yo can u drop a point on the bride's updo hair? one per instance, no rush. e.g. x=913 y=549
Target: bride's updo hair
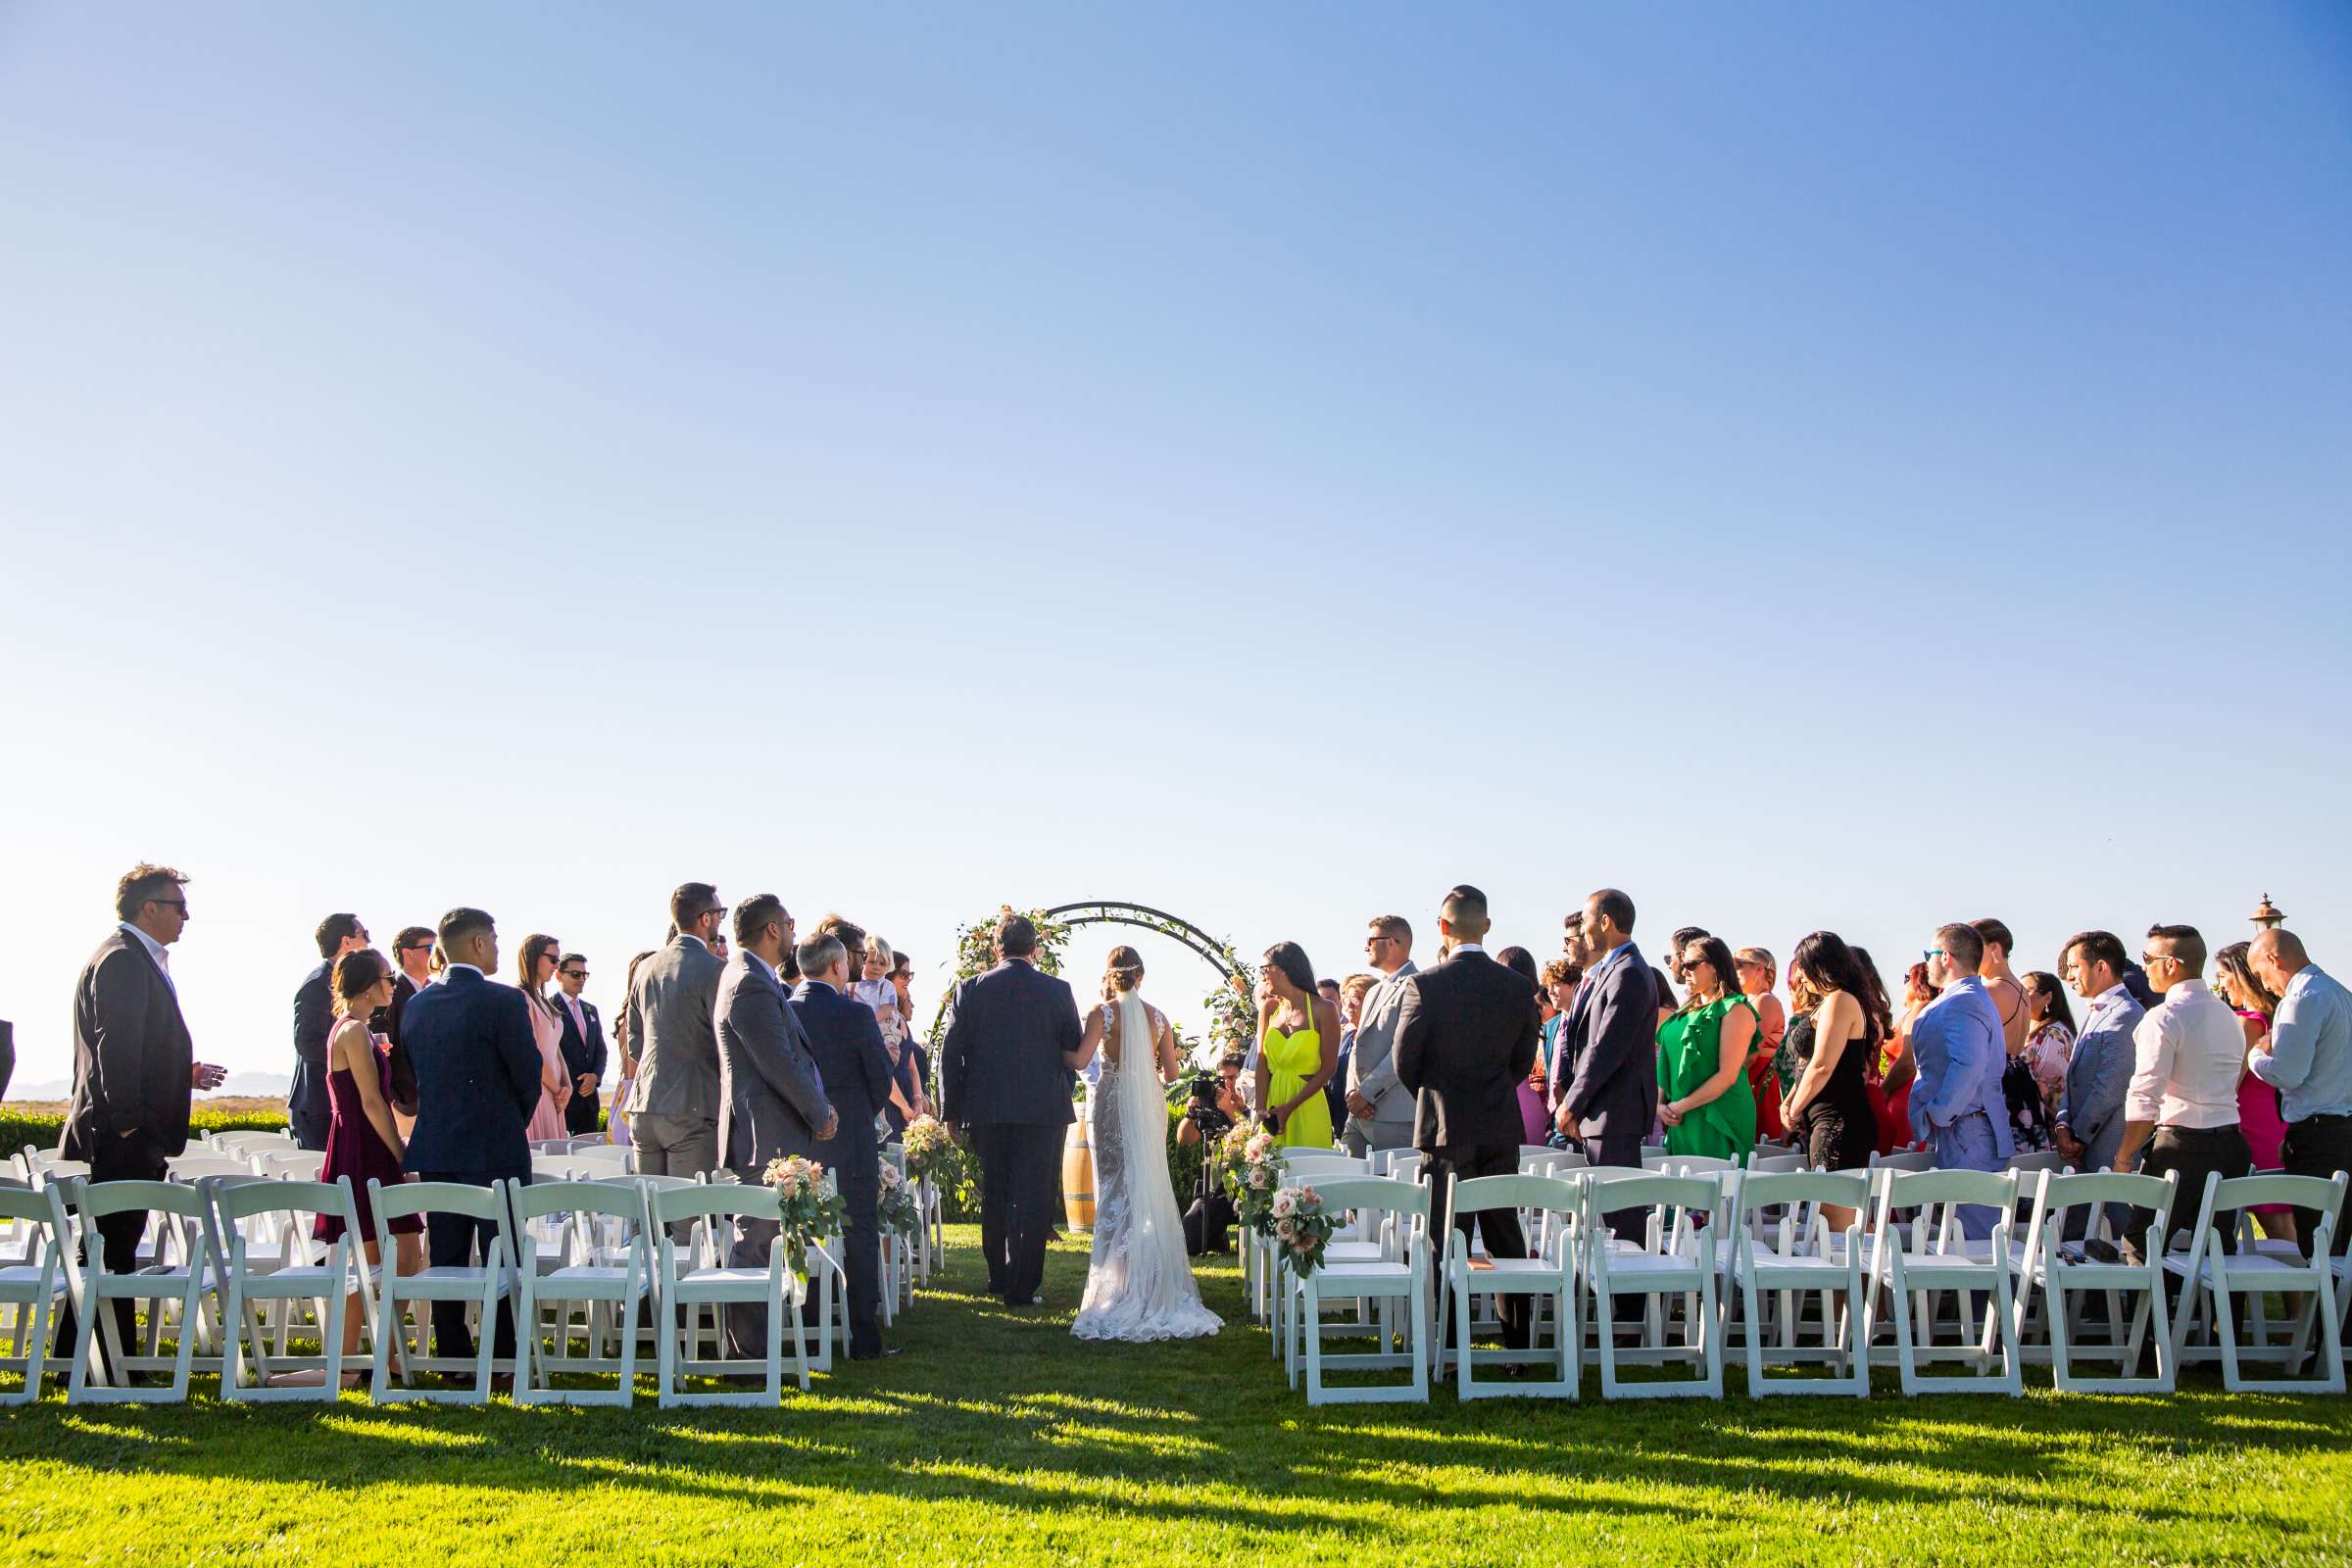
x=1123 y=970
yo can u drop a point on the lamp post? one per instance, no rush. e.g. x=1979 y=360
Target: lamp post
x=2268 y=916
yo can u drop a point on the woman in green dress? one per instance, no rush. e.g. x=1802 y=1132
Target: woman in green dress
x=1704 y=1093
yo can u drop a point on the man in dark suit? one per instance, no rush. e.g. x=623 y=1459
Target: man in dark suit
x=133 y=1067
x=854 y=1069
x=770 y=1101
x=413 y=962
x=583 y=1044
x=8 y=1055
x=477 y=1082
x=1611 y=1036
x=1466 y=1037
x=313 y=1017
x=1004 y=1075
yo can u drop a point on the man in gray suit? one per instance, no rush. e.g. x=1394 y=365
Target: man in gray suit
x=2090 y=1113
x=674 y=1106
x=1380 y=1110
x=770 y=1101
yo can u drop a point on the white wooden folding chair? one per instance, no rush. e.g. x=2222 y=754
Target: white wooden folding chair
x=182 y=1276
x=1398 y=1211
x=2213 y=1279
x=31 y=1288
x=325 y=1283
x=1785 y=1250
x=480 y=1285
x=573 y=1271
x=687 y=1288
x=193 y=1169
x=1938 y=1256
x=1547 y=1274
x=293 y=1164
x=1676 y=1258
x=2063 y=1270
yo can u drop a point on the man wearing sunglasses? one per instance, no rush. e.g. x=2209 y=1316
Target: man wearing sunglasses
x=412 y=959
x=313 y=1015
x=583 y=1043
x=1958 y=1112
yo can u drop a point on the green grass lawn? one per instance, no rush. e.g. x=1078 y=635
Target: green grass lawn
x=995 y=1437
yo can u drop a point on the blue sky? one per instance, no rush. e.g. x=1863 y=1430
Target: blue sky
x=1854 y=468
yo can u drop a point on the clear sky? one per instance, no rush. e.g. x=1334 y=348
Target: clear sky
x=1850 y=466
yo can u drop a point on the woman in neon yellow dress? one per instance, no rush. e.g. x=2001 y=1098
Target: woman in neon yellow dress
x=1297 y=1048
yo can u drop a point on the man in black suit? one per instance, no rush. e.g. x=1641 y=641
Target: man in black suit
x=1004 y=1074
x=477 y=1082
x=1466 y=1036
x=583 y=1044
x=133 y=1067
x=313 y=1017
x=413 y=961
x=1611 y=1035
x=854 y=1072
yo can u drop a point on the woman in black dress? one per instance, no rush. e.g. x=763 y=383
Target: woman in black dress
x=1828 y=1111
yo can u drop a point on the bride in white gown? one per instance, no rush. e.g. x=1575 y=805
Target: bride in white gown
x=1139 y=1283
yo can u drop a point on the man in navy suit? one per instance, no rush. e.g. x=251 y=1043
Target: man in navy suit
x=477 y=1082
x=1004 y=1074
x=854 y=1070
x=1611 y=1036
x=583 y=1043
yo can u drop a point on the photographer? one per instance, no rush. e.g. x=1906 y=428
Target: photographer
x=1216 y=1106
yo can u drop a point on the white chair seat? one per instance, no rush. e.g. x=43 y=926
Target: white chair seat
x=1337 y=1274
x=21 y=1282
x=591 y=1276
x=1350 y=1253
x=754 y=1277
x=448 y=1282
x=1652 y=1268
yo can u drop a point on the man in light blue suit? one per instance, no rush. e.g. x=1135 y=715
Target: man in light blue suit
x=2090 y=1113
x=1958 y=1112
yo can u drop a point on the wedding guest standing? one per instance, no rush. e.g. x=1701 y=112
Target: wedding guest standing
x=1957 y=1111
x=534 y=966
x=2001 y=983
x=583 y=1043
x=1353 y=992
x=2307 y=1057
x=855 y=1072
x=1535 y=1118
x=674 y=1106
x=2049 y=1038
x=1611 y=1036
x=1704 y=1093
x=2098 y=1071
x=1003 y=1078
x=1299 y=1049
x=8 y=1055
x=2181 y=1105
x=2258 y=1115
x=313 y=1013
x=1465 y=1042
x=1756 y=972
x=1561 y=979
x=1380 y=1110
x=412 y=958
x=134 y=1070
x=914 y=1064
x=477 y=1082
x=1834 y=1039
x=362 y=1141
x=878 y=992
x=618 y=1124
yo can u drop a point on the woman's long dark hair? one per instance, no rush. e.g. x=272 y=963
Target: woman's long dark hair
x=1719 y=955
x=1874 y=1000
x=1829 y=964
x=2045 y=984
x=1290 y=959
x=1522 y=963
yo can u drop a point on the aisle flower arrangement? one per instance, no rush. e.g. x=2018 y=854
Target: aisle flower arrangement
x=1252 y=1174
x=810 y=1206
x=1302 y=1227
x=900 y=1210
x=928 y=1146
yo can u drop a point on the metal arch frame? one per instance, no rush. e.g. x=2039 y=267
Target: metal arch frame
x=1118 y=912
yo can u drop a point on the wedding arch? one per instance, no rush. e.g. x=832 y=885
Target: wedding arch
x=1231 y=1006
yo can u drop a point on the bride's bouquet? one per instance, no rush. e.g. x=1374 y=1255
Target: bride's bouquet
x=927 y=1147
x=1302 y=1227
x=900 y=1210
x=1252 y=1174
x=810 y=1206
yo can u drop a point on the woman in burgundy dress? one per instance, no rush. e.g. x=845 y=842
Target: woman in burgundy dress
x=362 y=1139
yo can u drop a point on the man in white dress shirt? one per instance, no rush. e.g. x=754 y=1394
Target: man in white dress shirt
x=2181 y=1105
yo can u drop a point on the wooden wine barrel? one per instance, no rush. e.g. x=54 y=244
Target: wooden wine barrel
x=1078 y=1177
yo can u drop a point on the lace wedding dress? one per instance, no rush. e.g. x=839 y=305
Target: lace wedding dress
x=1138 y=1284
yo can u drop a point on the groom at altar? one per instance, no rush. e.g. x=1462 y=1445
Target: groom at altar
x=1004 y=1079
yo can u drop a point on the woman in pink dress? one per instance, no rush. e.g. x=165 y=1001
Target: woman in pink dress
x=2258 y=1115
x=534 y=968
